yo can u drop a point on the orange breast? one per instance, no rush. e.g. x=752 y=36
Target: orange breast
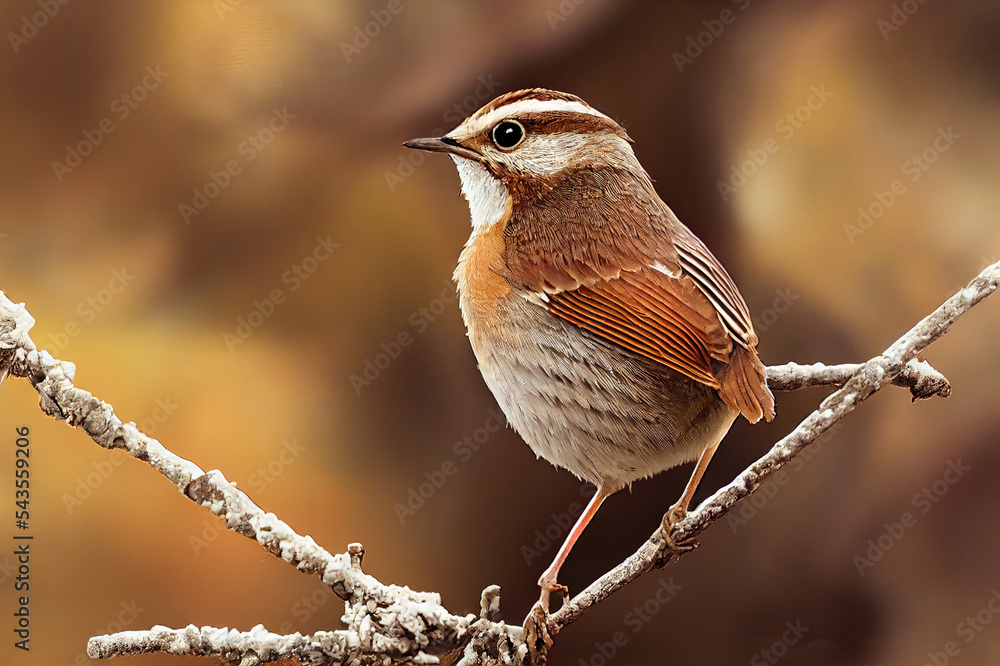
x=482 y=282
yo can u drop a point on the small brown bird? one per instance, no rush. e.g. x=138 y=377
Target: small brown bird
x=615 y=343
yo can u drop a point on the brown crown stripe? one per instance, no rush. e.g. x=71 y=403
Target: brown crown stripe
x=540 y=94
x=556 y=122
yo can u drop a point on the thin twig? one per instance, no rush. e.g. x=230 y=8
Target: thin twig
x=228 y=645
x=868 y=378
x=918 y=376
x=406 y=620
x=388 y=622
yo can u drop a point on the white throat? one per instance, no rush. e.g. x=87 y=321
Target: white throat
x=486 y=195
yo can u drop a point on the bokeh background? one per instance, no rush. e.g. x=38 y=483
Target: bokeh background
x=280 y=125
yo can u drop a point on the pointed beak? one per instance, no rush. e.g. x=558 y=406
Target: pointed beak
x=444 y=144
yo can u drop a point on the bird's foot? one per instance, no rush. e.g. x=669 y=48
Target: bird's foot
x=674 y=546
x=548 y=587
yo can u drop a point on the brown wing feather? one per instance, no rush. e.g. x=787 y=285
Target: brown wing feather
x=652 y=315
x=643 y=312
x=588 y=242
x=604 y=317
x=718 y=287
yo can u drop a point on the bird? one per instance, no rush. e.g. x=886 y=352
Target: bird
x=613 y=340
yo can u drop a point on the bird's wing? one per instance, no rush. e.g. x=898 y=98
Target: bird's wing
x=715 y=284
x=646 y=284
x=663 y=318
x=674 y=321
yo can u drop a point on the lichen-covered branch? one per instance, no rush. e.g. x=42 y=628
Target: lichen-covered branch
x=867 y=378
x=918 y=376
x=228 y=644
x=393 y=624
x=386 y=621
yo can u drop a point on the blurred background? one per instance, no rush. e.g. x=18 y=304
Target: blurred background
x=206 y=206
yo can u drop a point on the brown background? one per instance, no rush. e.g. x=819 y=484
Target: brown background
x=109 y=532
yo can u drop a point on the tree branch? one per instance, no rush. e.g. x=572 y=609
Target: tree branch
x=867 y=378
x=918 y=376
x=231 y=645
x=389 y=622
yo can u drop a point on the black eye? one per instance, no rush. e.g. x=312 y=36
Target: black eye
x=508 y=134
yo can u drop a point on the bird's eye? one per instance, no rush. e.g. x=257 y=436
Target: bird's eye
x=508 y=134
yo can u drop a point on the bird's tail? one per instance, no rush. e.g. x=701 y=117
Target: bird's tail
x=744 y=386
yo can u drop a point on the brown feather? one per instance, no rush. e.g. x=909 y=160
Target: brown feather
x=540 y=94
x=645 y=315
x=744 y=386
x=587 y=239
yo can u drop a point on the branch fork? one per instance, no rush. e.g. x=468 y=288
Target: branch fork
x=391 y=623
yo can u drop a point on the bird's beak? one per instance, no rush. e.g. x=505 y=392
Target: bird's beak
x=444 y=144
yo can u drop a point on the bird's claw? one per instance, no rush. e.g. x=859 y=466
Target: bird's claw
x=676 y=546
x=547 y=590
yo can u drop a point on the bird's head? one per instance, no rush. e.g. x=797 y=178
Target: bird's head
x=523 y=143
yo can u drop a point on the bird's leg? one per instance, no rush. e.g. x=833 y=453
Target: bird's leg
x=548 y=579
x=676 y=513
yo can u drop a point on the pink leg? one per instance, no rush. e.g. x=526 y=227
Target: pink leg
x=548 y=580
x=677 y=512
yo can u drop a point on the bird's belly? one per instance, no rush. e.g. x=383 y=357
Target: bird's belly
x=607 y=415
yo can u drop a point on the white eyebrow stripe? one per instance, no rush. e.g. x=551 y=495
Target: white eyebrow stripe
x=526 y=106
